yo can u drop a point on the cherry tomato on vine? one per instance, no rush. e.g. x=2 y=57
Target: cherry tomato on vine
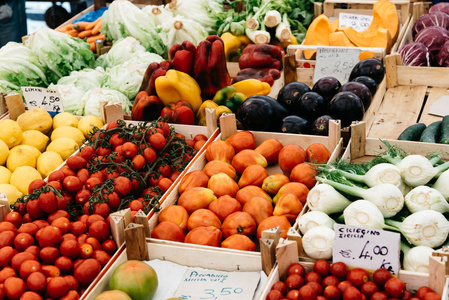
x=138 y=162
x=129 y=149
x=87 y=152
x=72 y=184
x=122 y=186
x=157 y=141
x=48 y=202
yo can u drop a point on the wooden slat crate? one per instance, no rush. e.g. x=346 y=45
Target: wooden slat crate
x=410 y=93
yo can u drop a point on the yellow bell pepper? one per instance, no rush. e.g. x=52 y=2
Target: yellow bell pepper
x=244 y=40
x=250 y=87
x=201 y=114
x=293 y=41
x=231 y=43
x=175 y=86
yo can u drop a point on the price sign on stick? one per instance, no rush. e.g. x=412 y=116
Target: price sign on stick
x=367 y=248
x=336 y=62
x=48 y=99
x=215 y=285
x=357 y=22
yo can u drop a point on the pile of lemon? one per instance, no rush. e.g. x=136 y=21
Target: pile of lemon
x=36 y=144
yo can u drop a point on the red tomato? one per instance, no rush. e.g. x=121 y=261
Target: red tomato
x=330 y=280
x=62 y=203
x=40 y=224
x=28 y=267
x=343 y=285
x=293 y=295
x=200 y=137
x=86 y=250
x=93 y=218
x=381 y=276
x=394 y=287
x=48 y=202
x=322 y=267
x=339 y=269
x=37 y=282
x=83 y=175
x=58 y=214
x=102 y=257
x=14 y=287
x=72 y=283
x=312 y=276
x=109 y=246
x=331 y=292
x=102 y=209
x=6 y=254
x=422 y=291
x=150 y=155
x=77 y=228
x=379 y=296
x=138 y=162
x=56 y=176
x=34 y=210
x=174 y=175
x=274 y=295
x=23 y=241
x=82 y=197
x=157 y=141
x=67 y=171
x=92 y=182
x=87 y=152
x=165 y=170
x=165 y=128
x=116 y=140
x=70 y=248
x=352 y=293
x=5 y=273
x=48 y=255
x=14 y=218
x=50 y=236
x=62 y=223
x=64 y=263
x=431 y=296
x=129 y=149
x=113 y=200
x=72 y=184
x=122 y=186
x=70 y=295
x=19 y=258
x=407 y=295
x=7 y=238
x=154 y=181
x=99 y=230
x=57 y=287
x=7 y=226
x=294 y=281
x=51 y=271
x=76 y=162
x=68 y=237
x=56 y=184
x=164 y=184
x=357 y=277
x=35 y=185
x=30 y=296
x=86 y=271
x=369 y=288
x=135 y=205
x=94 y=243
x=306 y=292
x=103 y=151
x=280 y=286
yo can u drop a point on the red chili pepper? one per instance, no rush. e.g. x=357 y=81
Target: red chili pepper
x=153 y=71
x=182 y=57
x=146 y=107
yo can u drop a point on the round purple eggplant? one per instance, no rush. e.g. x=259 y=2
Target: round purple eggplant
x=360 y=90
x=346 y=107
x=327 y=87
x=311 y=105
x=370 y=67
x=294 y=124
x=321 y=125
x=369 y=82
x=290 y=94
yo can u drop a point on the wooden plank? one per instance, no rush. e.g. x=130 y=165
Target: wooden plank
x=136 y=245
x=434 y=94
x=376 y=102
x=431 y=76
x=400 y=109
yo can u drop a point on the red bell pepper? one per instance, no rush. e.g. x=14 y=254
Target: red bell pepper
x=261 y=56
x=146 y=107
x=209 y=69
x=180 y=112
x=265 y=75
x=182 y=56
x=153 y=71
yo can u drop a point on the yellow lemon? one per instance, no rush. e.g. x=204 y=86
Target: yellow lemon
x=48 y=162
x=87 y=123
x=36 y=139
x=10 y=132
x=35 y=119
x=65 y=119
x=12 y=193
x=32 y=149
x=70 y=132
x=64 y=146
x=5 y=175
x=22 y=177
x=4 y=152
x=20 y=157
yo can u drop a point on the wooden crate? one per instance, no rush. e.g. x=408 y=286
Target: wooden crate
x=190 y=257
x=410 y=93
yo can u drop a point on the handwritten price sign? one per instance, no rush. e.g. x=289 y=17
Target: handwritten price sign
x=48 y=99
x=357 y=22
x=214 y=285
x=336 y=62
x=367 y=248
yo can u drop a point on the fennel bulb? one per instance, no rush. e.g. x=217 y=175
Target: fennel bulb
x=313 y=219
x=442 y=184
x=416 y=169
x=325 y=198
x=178 y=29
x=364 y=213
x=318 y=242
x=258 y=36
x=283 y=32
x=387 y=197
x=272 y=18
x=423 y=228
x=416 y=259
x=157 y=13
x=423 y=198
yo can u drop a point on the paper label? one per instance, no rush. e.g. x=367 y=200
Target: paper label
x=48 y=99
x=367 y=248
x=209 y=284
x=336 y=62
x=440 y=107
x=358 y=22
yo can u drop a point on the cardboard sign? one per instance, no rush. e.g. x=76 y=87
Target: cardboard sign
x=367 y=248
x=440 y=107
x=336 y=62
x=48 y=99
x=358 y=22
x=209 y=284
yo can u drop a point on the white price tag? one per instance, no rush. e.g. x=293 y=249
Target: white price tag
x=209 y=284
x=336 y=62
x=358 y=22
x=367 y=248
x=48 y=99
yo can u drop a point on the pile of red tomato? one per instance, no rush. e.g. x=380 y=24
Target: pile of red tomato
x=335 y=282
x=57 y=239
